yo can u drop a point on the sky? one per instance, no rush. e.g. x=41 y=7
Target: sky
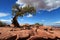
x=47 y=11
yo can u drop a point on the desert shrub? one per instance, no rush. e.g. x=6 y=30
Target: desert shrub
x=39 y=24
x=2 y=24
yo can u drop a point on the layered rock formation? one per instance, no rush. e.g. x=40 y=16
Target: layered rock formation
x=41 y=33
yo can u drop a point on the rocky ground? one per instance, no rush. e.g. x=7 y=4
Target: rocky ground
x=41 y=33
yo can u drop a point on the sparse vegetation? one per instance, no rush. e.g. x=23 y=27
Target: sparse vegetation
x=2 y=24
x=39 y=24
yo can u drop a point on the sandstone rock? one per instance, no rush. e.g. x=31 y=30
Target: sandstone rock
x=45 y=34
x=12 y=37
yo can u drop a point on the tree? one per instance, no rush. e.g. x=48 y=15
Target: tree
x=38 y=24
x=20 y=12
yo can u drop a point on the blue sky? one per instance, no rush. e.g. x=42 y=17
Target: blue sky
x=42 y=16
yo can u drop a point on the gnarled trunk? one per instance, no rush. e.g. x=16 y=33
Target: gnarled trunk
x=15 y=22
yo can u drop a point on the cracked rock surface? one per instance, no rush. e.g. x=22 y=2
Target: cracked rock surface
x=42 y=33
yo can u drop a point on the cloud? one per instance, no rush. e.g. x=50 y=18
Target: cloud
x=6 y=20
x=30 y=15
x=41 y=4
x=3 y=14
x=57 y=22
x=42 y=20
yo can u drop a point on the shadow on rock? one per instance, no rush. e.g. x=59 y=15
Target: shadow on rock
x=40 y=38
x=12 y=38
x=24 y=38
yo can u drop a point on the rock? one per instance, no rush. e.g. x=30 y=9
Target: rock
x=7 y=35
x=45 y=34
x=0 y=33
x=23 y=38
x=11 y=25
x=41 y=38
x=12 y=37
x=36 y=38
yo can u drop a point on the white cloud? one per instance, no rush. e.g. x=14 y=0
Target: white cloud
x=30 y=15
x=6 y=20
x=57 y=22
x=42 y=4
x=42 y=20
x=3 y=14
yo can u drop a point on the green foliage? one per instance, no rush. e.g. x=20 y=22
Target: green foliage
x=2 y=24
x=28 y=9
x=21 y=11
x=39 y=24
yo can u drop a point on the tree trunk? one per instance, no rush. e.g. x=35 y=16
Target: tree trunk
x=15 y=22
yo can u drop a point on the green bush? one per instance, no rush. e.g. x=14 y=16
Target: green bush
x=39 y=24
x=2 y=24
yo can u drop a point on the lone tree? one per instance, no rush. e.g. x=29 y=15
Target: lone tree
x=18 y=11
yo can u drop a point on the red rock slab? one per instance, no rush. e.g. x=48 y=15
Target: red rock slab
x=24 y=33
x=45 y=34
x=57 y=33
x=6 y=35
